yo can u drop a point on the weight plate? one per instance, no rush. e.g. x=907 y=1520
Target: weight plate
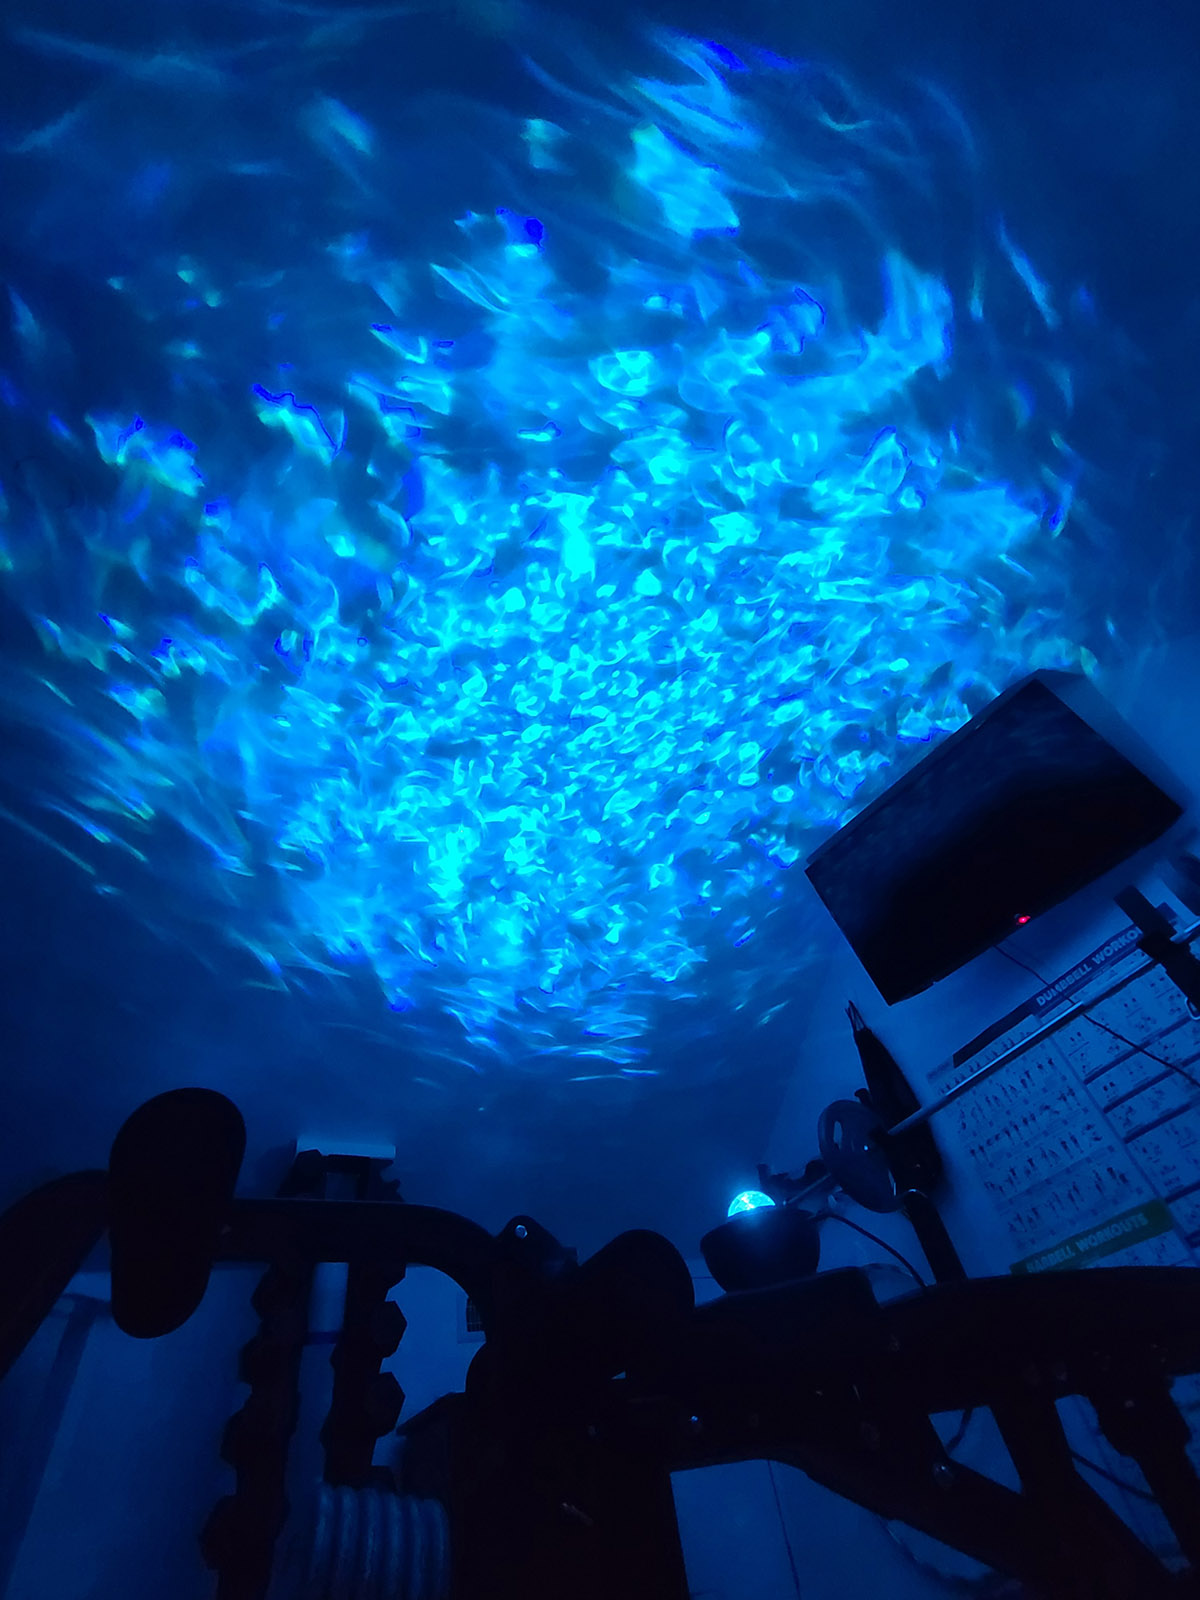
x=847 y=1133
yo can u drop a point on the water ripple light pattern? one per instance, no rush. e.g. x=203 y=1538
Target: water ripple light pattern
x=513 y=621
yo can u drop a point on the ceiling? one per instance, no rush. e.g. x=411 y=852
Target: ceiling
x=483 y=499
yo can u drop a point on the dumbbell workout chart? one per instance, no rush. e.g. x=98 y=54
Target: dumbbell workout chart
x=1088 y=1142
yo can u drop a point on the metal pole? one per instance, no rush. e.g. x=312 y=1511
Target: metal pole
x=1074 y=1010
x=824 y=1182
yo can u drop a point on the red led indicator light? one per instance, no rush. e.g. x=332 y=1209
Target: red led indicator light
x=1021 y=920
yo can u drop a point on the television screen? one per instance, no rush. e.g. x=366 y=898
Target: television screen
x=1015 y=811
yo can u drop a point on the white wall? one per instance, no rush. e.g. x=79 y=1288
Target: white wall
x=134 y=1470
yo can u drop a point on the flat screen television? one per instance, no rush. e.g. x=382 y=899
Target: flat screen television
x=1040 y=793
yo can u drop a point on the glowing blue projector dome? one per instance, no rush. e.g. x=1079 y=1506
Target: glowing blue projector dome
x=748 y=1200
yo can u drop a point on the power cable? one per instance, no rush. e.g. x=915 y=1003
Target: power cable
x=1141 y=1049
x=836 y=1216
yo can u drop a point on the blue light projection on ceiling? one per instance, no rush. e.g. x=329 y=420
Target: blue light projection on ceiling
x=514 y=619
